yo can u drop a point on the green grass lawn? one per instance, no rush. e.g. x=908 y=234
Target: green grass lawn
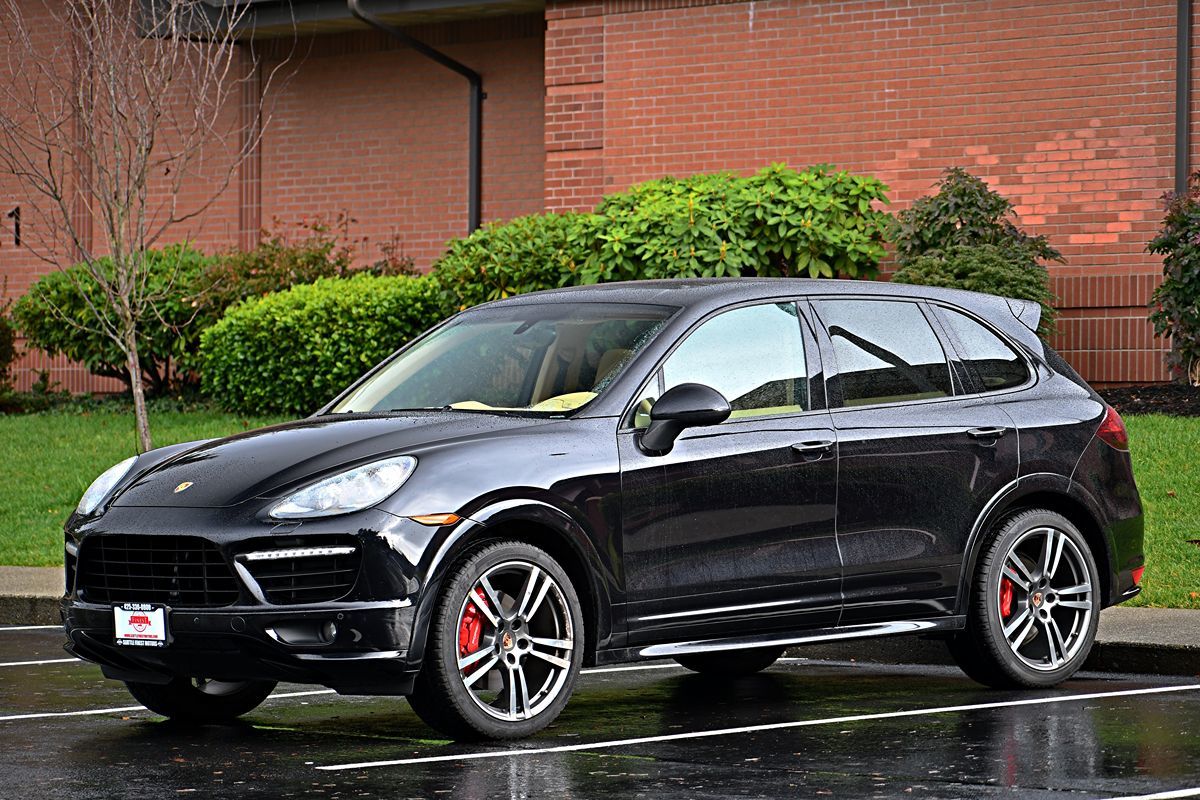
x=1165 y=454
x=49 y=459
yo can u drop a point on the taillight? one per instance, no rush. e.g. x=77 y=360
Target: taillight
x=1137 y=575
x=1112 y=430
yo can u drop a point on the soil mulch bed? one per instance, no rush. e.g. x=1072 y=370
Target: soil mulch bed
x=1173 y=399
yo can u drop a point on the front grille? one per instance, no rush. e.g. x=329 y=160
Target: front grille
x=179 y=571
x=304 y=574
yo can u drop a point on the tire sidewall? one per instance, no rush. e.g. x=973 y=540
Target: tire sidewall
x=1006 y=659
x=454 y=592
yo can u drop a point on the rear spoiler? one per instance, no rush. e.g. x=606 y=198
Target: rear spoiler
x=1027 y=312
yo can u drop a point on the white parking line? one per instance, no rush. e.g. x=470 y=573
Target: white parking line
x=43 y=661
x=1164 y=795
x=29 y=628
x=673 y=737
x=120 y=709
x=94 y=711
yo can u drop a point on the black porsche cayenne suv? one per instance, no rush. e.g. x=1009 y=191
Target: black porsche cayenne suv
x=709 y=471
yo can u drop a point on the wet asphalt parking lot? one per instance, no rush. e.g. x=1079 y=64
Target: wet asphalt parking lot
x=802 y=729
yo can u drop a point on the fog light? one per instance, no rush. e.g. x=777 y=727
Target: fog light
x=328 y=631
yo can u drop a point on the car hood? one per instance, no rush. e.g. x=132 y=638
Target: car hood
x=274 y=461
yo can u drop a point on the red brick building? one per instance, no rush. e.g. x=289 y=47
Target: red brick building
x=1068 y=108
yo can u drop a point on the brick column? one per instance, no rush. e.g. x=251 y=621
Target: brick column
x=574 y=74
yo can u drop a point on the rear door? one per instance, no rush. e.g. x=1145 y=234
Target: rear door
x=920 y=454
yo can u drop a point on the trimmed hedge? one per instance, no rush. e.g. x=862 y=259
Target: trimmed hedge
x=293 y=351
x=55 y=316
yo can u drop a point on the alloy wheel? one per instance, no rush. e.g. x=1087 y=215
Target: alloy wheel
x=515 y=640
x=1044 y=598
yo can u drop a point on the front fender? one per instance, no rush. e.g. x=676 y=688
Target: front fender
x=545 y=518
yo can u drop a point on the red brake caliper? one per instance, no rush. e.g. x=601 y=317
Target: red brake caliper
x=1006 y=598
x=469 y=630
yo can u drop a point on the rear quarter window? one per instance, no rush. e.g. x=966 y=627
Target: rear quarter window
x=993 y=364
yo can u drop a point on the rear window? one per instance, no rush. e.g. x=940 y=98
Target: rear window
x=886 y=352
x=993 y=364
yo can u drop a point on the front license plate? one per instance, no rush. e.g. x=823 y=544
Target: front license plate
x=140 y=624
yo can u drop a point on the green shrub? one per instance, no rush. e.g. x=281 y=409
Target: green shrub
x=292 y=351
x=8 y=344
x=285 y=258
x=987 y=268
x=541 y=251
x=965 y=211
x=55 y=316
x=778 y=222
x=1175 y=304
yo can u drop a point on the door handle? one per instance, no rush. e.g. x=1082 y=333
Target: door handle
x=818 y=447
x=986 y=433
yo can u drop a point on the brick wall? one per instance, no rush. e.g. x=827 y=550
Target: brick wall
x=1066 y=108
x=374 y=130
x=358 y=126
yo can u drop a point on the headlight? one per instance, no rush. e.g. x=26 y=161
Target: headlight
x=100 y=487
x=353 y=490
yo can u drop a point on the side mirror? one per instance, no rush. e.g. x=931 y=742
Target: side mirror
x=688 y=405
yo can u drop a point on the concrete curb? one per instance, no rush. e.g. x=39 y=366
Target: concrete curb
x=26 y=610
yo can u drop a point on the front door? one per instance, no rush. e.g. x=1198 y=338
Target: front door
x=732 y=531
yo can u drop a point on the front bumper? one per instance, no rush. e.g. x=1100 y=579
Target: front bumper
x=256 y=638
x=366 y=656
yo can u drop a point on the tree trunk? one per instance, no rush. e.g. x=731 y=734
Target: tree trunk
x=141 y=419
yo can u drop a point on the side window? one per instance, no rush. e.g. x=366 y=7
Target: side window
x=994 y=364
x=754 y=356
x=885 y=352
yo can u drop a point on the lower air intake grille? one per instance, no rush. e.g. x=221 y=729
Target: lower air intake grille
x=305 y=574
x=179 y=571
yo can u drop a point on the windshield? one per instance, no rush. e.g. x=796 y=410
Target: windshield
x=550 y=358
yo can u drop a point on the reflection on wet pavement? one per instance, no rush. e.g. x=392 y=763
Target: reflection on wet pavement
x=1100 y=747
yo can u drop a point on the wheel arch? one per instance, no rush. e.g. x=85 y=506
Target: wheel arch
x=1054 y=493
x=542 y=525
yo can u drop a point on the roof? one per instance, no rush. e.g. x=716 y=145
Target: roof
x=701 y=295
x=272 y=18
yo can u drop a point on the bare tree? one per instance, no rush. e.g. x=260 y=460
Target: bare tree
x=124 y=121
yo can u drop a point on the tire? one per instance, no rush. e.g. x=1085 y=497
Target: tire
x=201 y=701
x=1034 y=604
x=732 y=663
x=505 y=645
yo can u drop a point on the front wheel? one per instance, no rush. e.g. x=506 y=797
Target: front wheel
x=505 y=645
x=1035 y=604
x=201 y=700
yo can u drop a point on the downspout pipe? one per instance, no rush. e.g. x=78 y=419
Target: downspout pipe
x=1183 y=93
x=475 y=116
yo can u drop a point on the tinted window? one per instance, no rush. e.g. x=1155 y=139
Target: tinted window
x=886 y=352
x=994 y=364
x=754 y=356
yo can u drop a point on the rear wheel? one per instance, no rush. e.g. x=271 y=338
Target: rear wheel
x=201 y=700
x=1035 y=604
x=732 y=663
x=505 y=646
